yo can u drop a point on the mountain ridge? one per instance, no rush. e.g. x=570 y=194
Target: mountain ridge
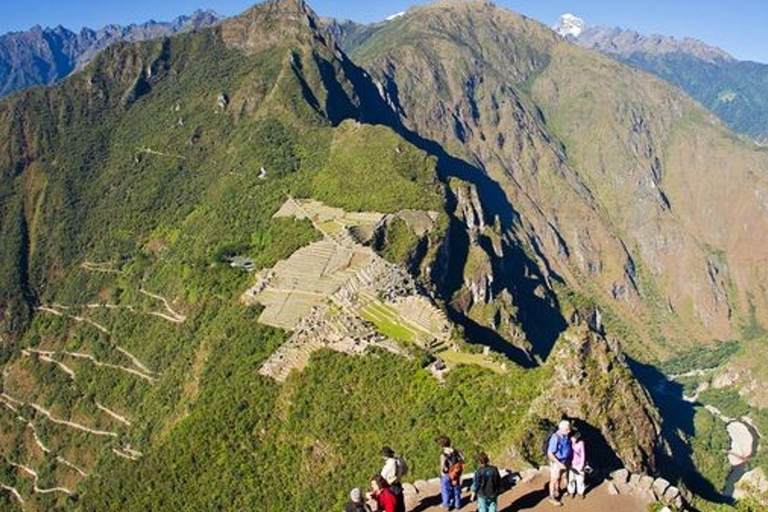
x=43 y=56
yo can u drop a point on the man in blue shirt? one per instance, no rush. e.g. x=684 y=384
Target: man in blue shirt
x=559 y=452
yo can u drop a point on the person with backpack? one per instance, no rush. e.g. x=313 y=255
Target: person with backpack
x=486 y=485
x=393 y=472
x=578 y=468
x=559 y=452
x=451 y=468
x=382 y=495
x=355 y=503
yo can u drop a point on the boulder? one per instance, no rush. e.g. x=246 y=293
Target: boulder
x=528 y=475
x=612 y=489
x=660 y=486
x=671 y=494
x=620 y=475
x=410 y=490
x=634 y=480
x=420 y=485
x=646 y=483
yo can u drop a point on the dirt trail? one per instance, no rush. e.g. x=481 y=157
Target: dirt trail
x=172 y=315
x=14 y=493
x=533 y=496
x=105 y=267
x=45 y=412
x=113 y=415
x=144 y=374
x=31 y=472
x=134 y=360
x=48 y=358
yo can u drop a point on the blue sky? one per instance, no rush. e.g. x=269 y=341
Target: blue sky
x=738 y=26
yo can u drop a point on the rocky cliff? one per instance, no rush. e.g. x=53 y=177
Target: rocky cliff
x=581 y=159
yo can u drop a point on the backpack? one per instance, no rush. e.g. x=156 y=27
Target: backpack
x=488 y=483
x=402 y=467
x=545 y=444
x=455 y=464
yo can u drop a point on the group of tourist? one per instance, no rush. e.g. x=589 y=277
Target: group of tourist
x=565 y=453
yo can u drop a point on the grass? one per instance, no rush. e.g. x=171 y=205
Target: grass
x=459 y=358
x=388 y=322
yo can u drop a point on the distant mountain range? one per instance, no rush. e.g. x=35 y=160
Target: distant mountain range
x=737 y=91
x=43 y=56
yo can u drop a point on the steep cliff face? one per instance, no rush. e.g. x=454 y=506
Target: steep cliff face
x=592 y=384
x=588 y=165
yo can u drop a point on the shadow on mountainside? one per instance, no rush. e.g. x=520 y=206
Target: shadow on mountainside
x=538 y=313
x=678 y=416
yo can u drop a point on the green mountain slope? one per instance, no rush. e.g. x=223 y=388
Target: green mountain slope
x=143 y=367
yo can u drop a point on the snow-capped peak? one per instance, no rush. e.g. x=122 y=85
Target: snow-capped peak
x=569 y=25
x=395 y=16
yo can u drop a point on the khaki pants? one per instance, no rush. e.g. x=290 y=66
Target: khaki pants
x=556 y=473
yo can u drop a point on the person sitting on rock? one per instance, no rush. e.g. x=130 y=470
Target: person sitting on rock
x=559 y=452
x=355 y=503
x=382 y=495
x=451 y=467
x=393 y=471
x=486 y=485
x=577 y=469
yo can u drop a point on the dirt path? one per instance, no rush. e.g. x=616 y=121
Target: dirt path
x=45 y=412
x=39 y=490
x=172 y=315
x=14 y=493
x=113 y=415
x=533 y=496
x=48 y=358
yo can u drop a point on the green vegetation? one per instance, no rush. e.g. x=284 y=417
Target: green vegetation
x=710 y=444
x=700 y=358
x=373 y=169
x=399 y=241
x=388 y=322
x=728 y=401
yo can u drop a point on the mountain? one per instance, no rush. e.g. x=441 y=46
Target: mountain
x=43 y=56
x=238 y=261
x=732 y=89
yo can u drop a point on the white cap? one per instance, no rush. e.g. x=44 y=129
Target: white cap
x=563 y=425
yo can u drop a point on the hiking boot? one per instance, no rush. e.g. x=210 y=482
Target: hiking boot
x=555 y=503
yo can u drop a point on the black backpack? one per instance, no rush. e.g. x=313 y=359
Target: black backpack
x=488 y=482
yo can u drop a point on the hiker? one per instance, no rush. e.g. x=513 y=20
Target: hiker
x=355 y=503
x=578 y=468
x=559 y=453
x=382 y=495
x=486 y=485
x=451 y=467
x=393 y=471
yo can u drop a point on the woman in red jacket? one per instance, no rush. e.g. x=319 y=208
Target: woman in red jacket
x=380 y=493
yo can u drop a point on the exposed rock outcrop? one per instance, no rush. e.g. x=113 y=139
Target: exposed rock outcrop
x=592 y=384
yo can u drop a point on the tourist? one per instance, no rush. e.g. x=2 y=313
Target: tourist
x=577 y=469
x=451 y=467
x=382 y=495
x=486 y=485
x=559 y=453
x=393 y=471
x=355 y=503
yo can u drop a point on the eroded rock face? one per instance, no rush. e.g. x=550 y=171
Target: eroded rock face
x=591 y=383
